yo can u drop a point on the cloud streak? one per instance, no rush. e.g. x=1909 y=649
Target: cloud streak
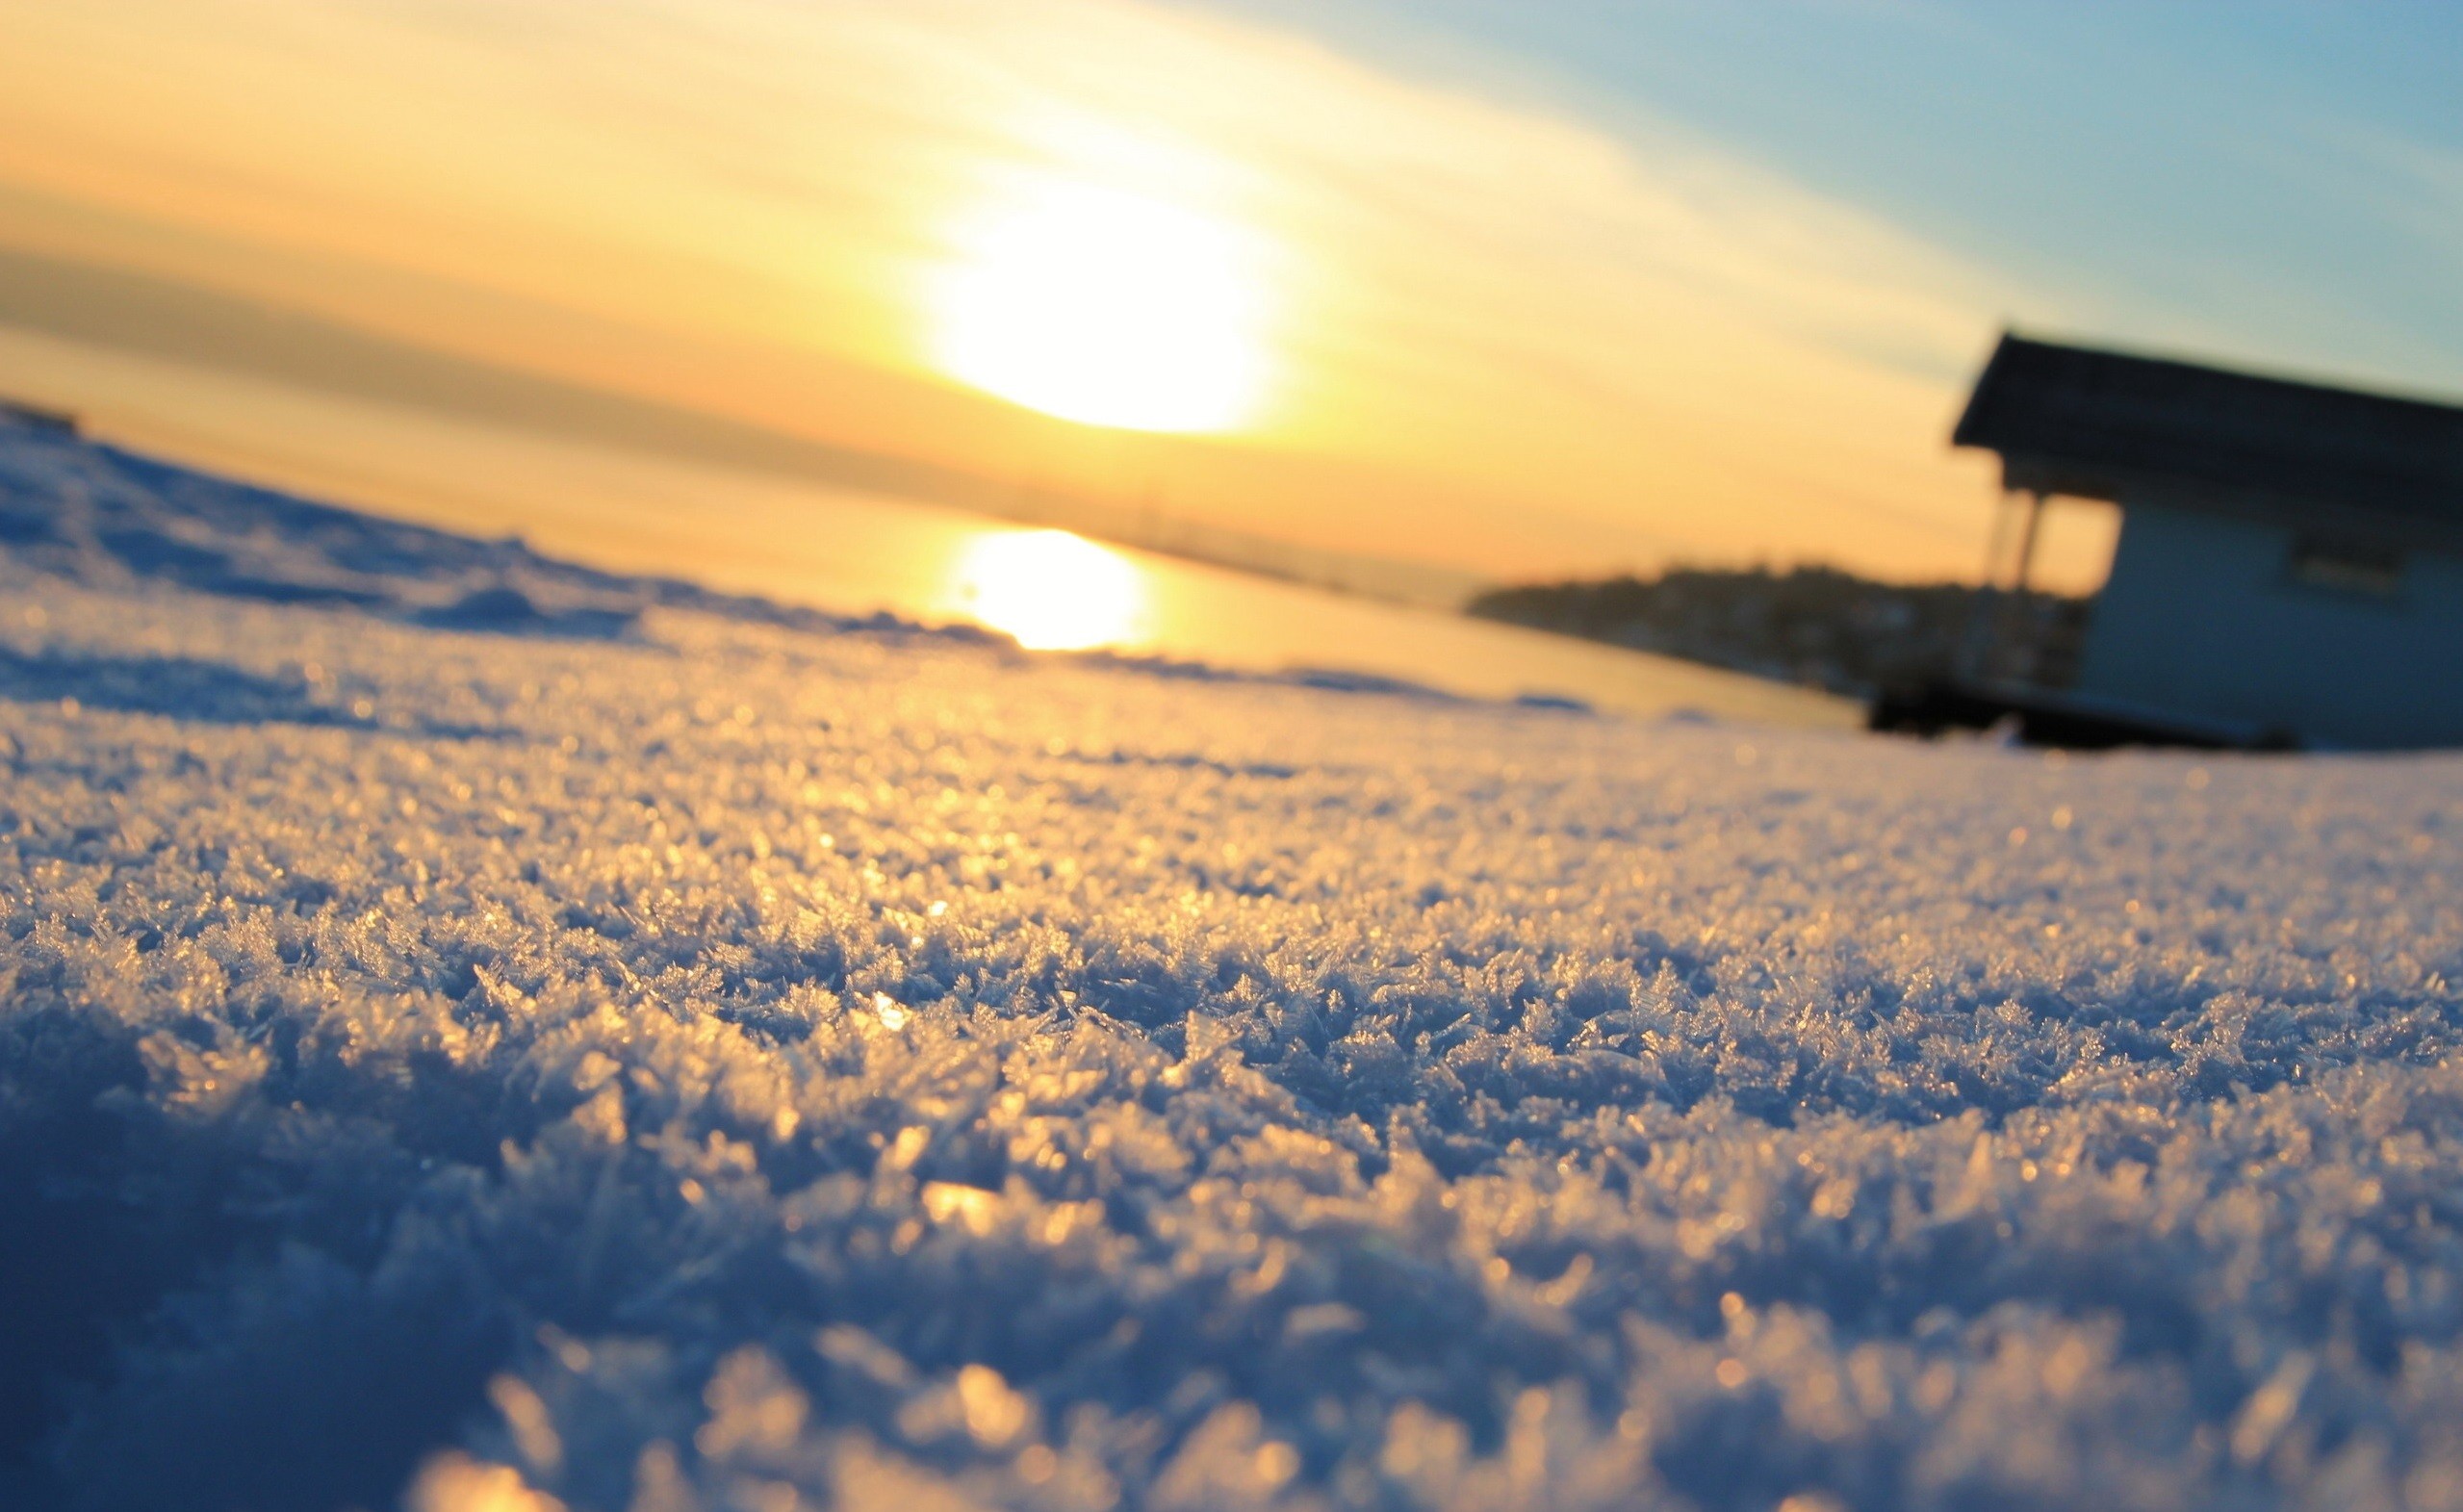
x=1511 y=334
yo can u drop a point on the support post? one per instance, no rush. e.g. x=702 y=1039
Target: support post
x=2027 y=540
x=1975 y=653
x=2022 y=654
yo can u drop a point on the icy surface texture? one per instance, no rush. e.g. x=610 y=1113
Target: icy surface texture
x=669 y=1061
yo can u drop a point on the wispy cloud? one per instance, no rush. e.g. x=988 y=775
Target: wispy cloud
x=1516 y=332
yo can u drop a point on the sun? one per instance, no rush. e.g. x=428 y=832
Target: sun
x=1105 y=306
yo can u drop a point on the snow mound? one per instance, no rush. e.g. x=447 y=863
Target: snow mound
x=713 y=1056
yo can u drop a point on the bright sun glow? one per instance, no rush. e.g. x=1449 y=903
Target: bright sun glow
x=1049 y=590
x=1106 y=307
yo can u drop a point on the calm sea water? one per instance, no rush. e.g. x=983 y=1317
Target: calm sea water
x=844 y=552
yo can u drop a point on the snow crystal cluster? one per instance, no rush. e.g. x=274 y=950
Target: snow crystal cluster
x=483 y=1037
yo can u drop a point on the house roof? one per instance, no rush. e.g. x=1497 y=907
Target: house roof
x=2072 y=419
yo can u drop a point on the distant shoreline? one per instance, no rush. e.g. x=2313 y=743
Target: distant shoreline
x=135 y=313
x=1811 y=626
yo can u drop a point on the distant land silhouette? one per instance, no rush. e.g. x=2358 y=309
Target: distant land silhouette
x=1816 y=626
x=133 y=312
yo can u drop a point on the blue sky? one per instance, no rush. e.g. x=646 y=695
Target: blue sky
x=2272 y=182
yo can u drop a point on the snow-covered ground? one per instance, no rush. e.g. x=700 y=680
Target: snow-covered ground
x=478 y=1031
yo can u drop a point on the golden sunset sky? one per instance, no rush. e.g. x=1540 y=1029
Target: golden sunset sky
x=1361 y=304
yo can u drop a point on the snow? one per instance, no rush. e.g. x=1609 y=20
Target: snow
x=482 y=1034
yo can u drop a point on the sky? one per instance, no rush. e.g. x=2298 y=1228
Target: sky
x=1521 y=289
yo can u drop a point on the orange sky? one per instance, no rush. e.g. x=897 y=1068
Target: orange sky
x=1484 y=336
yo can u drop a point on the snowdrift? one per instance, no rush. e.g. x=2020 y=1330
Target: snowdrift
x=483 y=1036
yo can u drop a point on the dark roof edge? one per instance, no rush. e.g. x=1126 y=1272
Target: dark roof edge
x=2013 y=337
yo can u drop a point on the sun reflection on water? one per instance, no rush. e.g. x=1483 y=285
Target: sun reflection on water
x=1050 y=590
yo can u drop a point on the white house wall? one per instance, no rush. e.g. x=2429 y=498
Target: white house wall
x=2202 y=617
